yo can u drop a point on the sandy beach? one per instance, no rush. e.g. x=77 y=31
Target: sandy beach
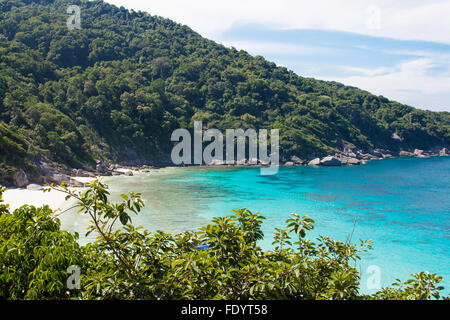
x=18 y=197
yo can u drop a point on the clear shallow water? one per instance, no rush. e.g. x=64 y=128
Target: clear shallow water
x=403 y=205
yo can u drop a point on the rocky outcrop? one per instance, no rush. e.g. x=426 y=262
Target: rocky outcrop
x=368 y=156
x=444 y=152
x=330 y=161
x=20 y=179
x=420 y=153
x=350 y=161
x=289 y=164
x=296 y=160
x=59 y=178
x=102 y=167
x=314 y=162
x=405 y=154
x=376 y=153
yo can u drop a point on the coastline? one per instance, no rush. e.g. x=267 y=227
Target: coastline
x=18 y=197
x=31 y=194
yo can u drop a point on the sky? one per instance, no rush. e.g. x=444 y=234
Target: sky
x=399 y=49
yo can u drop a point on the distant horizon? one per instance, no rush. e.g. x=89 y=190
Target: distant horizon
x=375 y=49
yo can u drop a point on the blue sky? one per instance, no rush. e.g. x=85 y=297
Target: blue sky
x=399 y=49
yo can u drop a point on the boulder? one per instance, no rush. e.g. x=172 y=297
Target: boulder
x=101 y=167
x=297 y=160
x=314 y=162
x=289 y=164
x=350 y=161
x=76 y=172
x=405 y=154
x=59 y=178
x=128 y=173
x=376 y=153
x=349 y=154
x=366 y=156
x=34 y=187
x=418 y=152
x=444 y=152
x=330 y=161
x=20 y=179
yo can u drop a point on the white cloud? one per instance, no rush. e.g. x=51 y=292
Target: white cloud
x=411 y=82
x=401 y=19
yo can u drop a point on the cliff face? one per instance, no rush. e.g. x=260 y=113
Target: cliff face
x=117 y=88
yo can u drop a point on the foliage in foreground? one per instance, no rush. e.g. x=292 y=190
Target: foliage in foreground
x=220 y=261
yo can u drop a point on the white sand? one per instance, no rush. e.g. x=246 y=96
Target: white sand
x=20 y=197
x=70 y=220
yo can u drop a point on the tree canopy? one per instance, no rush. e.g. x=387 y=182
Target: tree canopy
x=222 y=260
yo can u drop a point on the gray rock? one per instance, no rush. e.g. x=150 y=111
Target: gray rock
x=20 y=179
x=444 y=152
x=423 y=155
x=368 y=156
x=100 y=167
x=350 y=161
x=376 y=153
x=330 y=161
x=314 y=162
x=34 y=187
x=405 y=154
x=418 y=152
x=297 y=160
x=59 y=178
x=128 y=173
x=349 y=154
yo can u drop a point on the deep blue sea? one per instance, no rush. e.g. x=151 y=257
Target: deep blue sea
x=403 y=205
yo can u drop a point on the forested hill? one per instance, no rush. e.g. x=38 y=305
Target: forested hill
x=118 y=87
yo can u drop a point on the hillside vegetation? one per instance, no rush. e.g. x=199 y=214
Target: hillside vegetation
x=116 y=89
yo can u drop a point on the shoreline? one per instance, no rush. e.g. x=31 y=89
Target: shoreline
x=18 y=197
x=78 y=178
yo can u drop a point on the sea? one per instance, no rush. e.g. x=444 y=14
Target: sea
x=402 y=205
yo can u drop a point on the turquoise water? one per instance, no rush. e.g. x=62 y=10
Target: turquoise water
x=403 y=205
